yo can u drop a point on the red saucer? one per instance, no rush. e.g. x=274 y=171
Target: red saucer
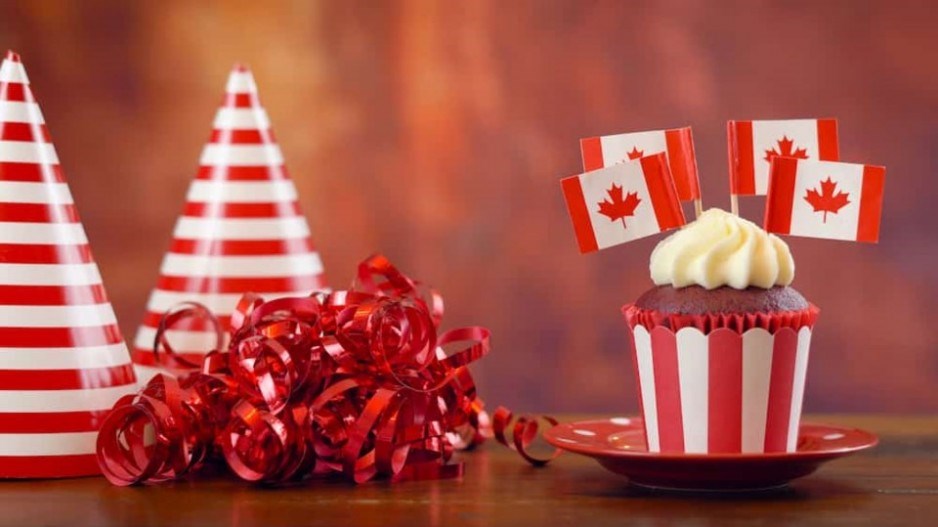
x=619 y=445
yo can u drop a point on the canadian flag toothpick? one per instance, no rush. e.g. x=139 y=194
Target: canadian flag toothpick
x=825 y=199
x=63 y=362
x=678 y=144
x=753 y=144
x=241 y=231
x=623 y=202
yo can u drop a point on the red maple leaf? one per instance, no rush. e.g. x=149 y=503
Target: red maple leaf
x=634 y=154
x=826 y=201
x=619 y=208
x=785 y=146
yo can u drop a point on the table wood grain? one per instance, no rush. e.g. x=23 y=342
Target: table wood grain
x=895 y=484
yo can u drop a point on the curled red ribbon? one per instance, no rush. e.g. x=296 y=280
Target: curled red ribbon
x=353 y=382
x=522 y=435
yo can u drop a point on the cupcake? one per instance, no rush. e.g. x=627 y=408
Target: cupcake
x=721 y=342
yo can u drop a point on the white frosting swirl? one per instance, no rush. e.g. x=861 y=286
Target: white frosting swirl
x=722 y=249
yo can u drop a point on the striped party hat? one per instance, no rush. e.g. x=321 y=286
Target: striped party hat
x=241 y=231
x=63 y=362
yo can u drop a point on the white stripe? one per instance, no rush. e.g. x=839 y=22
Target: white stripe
x=241 y=82
x=646 y=376
x=693 y=374
x=241 y=155
x=83 y=400
x=241 y=191
x=757 y=372
x=241 y=266
x=43 y=233
x=840 y=225
x=241 y=228
x=28 y=192
x=182 y=341
x=145 y=373
x=242 y=119
x=28 y=152
x=62 y=444
x=616 y=148
x=64 y=358
x=218 y=303
x=79 y=316
x=797 y=388
x=12 y=71
x=20 y=112
x=50 y=274
x=765 y=138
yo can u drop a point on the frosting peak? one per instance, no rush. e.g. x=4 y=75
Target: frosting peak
x=722 y=249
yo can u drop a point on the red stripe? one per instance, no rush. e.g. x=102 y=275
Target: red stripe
x=871 y=204
x=664 y=198
x=16 y=92
x=38 y=213
x=251 y=173
x=31 y=172
x=277 y=209
x=51 y=422
x=241 y=100
x=579 y=214
x=68 y=379
x=742 y=168
x=45 y=254
x=781 y=381
x=52 y=295
x=210 y=284
x=667 y=390
x=242 y=137
x=152 y=319
x=683 y=163
x=60 y=337
x=780 y=199
x=24 y=132
x=49 y=466
x=243 y=247
x=145 y=357
x=725 y=405
x=828 y=149
x=592 y=151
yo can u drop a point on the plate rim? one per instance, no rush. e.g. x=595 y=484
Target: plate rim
x=550 y=435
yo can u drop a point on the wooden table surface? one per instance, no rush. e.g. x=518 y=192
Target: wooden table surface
x=895 y=484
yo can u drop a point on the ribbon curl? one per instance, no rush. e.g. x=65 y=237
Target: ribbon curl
x=353 y=382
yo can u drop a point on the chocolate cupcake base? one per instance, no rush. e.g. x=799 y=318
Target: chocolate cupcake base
x=695 y=300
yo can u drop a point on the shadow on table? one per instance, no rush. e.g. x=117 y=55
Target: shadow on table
x=814 y=488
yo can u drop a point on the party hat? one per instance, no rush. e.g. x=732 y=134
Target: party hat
x=63 y=362
x=241 y=231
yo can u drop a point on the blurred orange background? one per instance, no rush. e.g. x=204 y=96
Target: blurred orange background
x=437 y=132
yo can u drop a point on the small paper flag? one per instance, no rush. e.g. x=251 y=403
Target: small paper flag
x=622 y=202
x=825 y=199
x=753 y=144
x=678 y=144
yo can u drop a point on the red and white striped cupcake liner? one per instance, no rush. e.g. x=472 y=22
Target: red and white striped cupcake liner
x=708 y=388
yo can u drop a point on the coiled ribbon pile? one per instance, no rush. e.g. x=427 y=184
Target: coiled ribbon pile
x=355 y=382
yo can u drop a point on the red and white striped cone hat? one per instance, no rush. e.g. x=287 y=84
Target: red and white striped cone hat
x=63 y=362
x=241 y=231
